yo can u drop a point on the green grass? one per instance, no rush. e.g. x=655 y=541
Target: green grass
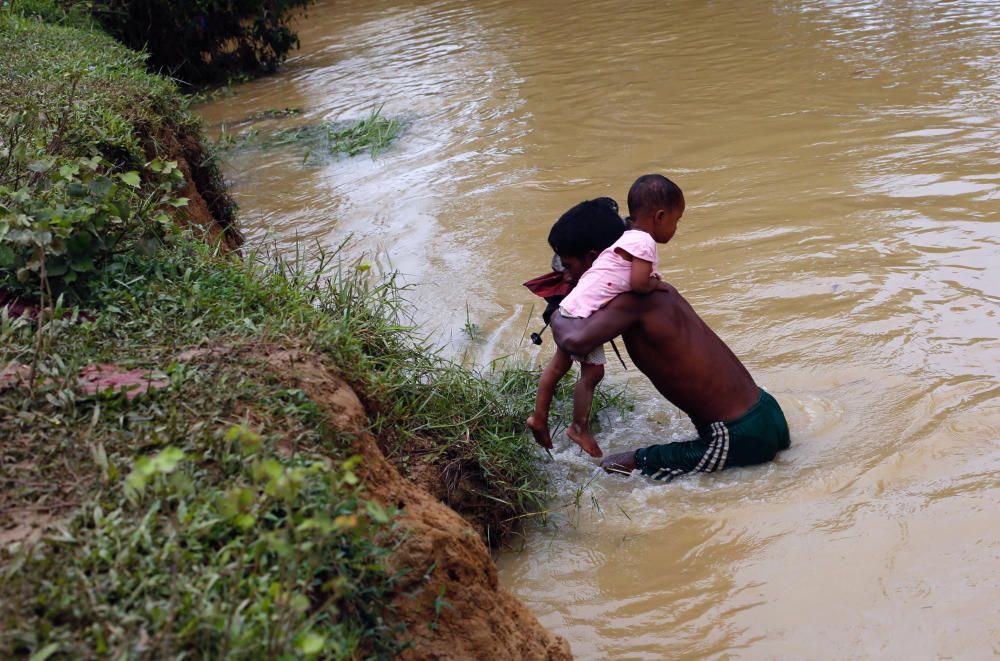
x=122 y=571
x=79 y=93
x=102 y=84
x=69 y=13
x=211 y=558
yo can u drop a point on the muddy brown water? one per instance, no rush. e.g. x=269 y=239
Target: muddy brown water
x=840 y=164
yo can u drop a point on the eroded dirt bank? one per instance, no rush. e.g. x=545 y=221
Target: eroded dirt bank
x=449 y=596
x=210 y=209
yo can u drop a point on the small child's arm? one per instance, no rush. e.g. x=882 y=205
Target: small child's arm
x=642 y=279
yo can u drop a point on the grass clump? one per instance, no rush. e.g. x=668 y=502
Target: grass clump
x=372 y=134
x=320 y=142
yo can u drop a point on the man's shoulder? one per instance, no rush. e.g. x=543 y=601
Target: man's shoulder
x=661 y=301
x=665 y=293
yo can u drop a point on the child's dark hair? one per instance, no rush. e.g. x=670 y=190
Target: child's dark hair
x=653 y=190
x=591 y=225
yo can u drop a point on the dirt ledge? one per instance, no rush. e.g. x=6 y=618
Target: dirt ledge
x=439 y=551
x=210 y=208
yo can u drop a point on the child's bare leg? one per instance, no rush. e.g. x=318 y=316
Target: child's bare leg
x=538 y=422
x=583 y=396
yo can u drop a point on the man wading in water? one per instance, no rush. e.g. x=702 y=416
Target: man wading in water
x=738 y=423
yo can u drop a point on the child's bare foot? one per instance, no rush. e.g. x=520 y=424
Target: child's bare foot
x=540 y=430
x=623 y=462
x=584 y=439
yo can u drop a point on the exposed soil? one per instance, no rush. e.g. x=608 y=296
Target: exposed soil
x=209 y=207
x=444 y=556
x=452 y=480
x=25 y=525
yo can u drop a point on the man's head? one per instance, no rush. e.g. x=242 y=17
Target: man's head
x=656 y=204
x=581 y=233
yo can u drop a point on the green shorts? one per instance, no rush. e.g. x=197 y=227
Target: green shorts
x=753 y=438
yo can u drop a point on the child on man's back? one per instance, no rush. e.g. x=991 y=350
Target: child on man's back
x=627 y=264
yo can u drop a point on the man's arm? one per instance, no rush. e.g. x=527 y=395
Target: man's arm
x=581 y=336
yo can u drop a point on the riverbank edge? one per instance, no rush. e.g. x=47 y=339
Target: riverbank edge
x=441 y=581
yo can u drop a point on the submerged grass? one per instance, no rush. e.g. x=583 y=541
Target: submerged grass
x=324 y=140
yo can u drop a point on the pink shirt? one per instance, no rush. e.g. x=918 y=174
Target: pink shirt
x=610 y=274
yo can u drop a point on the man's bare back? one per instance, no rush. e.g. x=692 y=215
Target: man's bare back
x=738 y=423
x=667 y=340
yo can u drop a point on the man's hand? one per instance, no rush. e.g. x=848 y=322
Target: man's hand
x=623 y=462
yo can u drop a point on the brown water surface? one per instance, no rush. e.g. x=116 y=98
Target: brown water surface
x=841 y=169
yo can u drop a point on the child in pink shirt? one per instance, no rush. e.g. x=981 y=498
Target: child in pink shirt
x=628 y=264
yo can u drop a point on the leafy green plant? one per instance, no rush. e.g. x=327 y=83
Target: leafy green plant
x=278 y=560
x=63 y=218
x=440 y=603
